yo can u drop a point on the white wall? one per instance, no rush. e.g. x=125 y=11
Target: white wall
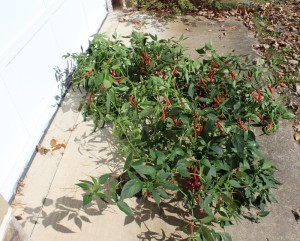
x=34 y=36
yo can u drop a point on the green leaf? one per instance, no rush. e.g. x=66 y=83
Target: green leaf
x=156 y=197
x=146 y=112
x=234 y=183
x=145 y=170
x=201 y=51
x=84 y=186
x=125 y=208
x=217 y=149
x=263 y=213
x=212 y=117
x=196 y=64
x=107 y=83
x=271 y=198
x=238 y=143
x=101 y=196
x=112 y=189
x=226 y=237
x=131 y=188
x=167 y=60
x=103 y=179
x=162 y=193
x=267 y=165
x=191 y=90
x=99 y=79
x=169 y=186
x=207 y=233
x=207 y=219
x=161 y=157
x=87 y=198
x=128 y=162
x=288 y=115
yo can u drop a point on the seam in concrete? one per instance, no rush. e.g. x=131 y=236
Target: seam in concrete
x=5 y=223
x=39 y=214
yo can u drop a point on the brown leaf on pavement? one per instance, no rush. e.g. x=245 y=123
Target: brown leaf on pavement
x=42 y=150
x=53 y=143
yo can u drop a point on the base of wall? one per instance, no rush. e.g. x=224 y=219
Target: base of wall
x=10 y=229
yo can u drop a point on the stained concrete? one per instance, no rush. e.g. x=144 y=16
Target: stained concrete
x=49 y=204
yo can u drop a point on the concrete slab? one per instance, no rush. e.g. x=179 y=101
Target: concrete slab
x=50 y=204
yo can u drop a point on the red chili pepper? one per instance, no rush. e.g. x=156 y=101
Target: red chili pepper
x=270 y=89
x=241 y=124
x=222 y=117
x=260 y=117
x=258 y=98
x=175 y=71
x=102 y=86
x=200 y=187
x=147 y=194
x=132 y=103
x=201 y=211
x=163 y=115
x=168 y=103
x=88 y=73
x=270 y=126
x=118 y=80
x=218 y=98
x=113 y=72
x=215 y=104
x=219 y=126
x=191 y=228
x=231 y=75
x=195 y=173
x=201 y=128
x=197 y=199
x=90 y=99
x=181 y=102
x=214 y=64
x=158 y=73
x=174 y=120
x=226 y=96
x=155 y=57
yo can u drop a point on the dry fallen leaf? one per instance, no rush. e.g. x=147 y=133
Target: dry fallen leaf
x=58 y=146
x=231 y=27
x=42 y=150
x=18 y=217
x=296 y=213
x=282 y=84
x=73 y=128
x=53 y=143
x=297 y=136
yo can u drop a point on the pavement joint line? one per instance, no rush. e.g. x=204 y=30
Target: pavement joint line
x=41 y=209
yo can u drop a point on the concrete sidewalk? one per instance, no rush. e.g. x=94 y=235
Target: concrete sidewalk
x=49 y=205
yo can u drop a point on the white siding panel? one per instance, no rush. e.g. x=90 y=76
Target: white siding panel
x=30 y=78
x=95 y=12
x=13 y=138
x=34 y=36
x=67 y=23
x=16 y=17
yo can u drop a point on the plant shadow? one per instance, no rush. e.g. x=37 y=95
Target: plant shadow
x=169 y=212
x=68 y=215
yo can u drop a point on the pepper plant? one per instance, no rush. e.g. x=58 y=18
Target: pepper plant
x=185 y=127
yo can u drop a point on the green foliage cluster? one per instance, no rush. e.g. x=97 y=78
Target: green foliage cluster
x=185 y=127
x=178 y=6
